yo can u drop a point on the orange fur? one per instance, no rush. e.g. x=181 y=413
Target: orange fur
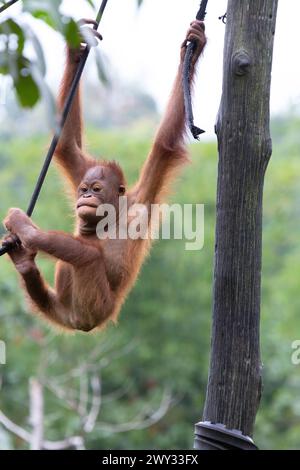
x=93 y=276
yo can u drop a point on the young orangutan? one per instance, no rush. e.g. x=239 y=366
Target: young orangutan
x=93 y=276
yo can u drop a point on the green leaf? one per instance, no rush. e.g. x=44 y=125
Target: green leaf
x=10 y=27
x=27 y=91
x=44 y=16
x=71 y=33
x=45 y=10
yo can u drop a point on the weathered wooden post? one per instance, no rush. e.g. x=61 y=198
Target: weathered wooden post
x=234 y=384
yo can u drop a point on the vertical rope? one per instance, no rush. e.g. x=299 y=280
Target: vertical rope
x=186 y=83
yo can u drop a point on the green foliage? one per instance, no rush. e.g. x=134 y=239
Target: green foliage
x=49 y=12
x=25 y=81
x=15 y=33
x=10 y=27
x=166 y=319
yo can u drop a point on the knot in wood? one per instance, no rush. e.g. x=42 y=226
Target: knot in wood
x=241 y=63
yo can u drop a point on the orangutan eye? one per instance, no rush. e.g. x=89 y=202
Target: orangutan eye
x=83 y=189
x=97 y=189
x=122 y=189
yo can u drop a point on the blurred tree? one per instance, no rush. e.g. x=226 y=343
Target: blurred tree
x=78 y=390
x=167 y=325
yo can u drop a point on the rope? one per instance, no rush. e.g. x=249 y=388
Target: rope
x=186 y=82
x=64 y=115
x=7 y=5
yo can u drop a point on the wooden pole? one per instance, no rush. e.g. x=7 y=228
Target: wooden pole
x=245 y=147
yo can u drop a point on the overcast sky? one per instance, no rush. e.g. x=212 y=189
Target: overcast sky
x=143 y=47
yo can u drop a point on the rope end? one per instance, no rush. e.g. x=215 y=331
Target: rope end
x=196 y=132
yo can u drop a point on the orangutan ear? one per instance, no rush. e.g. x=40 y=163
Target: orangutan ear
x=122 y=190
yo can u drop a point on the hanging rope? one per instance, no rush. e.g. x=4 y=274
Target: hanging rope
x=196 y=131
x=64 y=115
x=7 y=5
